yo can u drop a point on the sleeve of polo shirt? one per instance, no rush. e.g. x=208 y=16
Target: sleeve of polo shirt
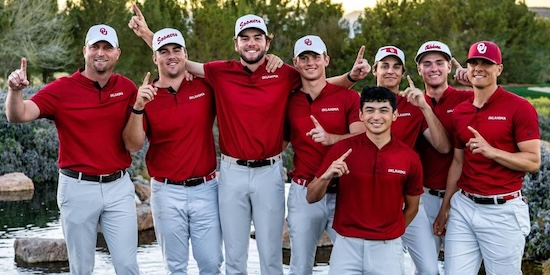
x=354 y=107
x=47 y=99
x=414 y=184
x=526 y=122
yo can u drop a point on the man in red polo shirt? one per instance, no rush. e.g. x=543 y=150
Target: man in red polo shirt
x=318 y=115
x=250 y=103
x=380 y=182
x=90 y=109
x=415 y=118
x=177 y=117
x=433 y=61
x=497 y=140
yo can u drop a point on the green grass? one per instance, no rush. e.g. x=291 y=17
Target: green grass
x=524 y=92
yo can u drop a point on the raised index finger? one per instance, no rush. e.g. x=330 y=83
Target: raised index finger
x=345 y=155
x=411 y=83
x=146 y=79
x=315 y=122
x=24 y=66
x=456 y=63
x=137 y=11
x=474 y=131
x=360 y=53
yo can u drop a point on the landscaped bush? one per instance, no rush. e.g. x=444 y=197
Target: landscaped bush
x=536 y=188
x=542 y=105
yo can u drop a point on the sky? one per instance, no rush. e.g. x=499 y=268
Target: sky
x=353 y=5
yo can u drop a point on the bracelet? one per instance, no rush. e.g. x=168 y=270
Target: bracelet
x=349 y=78
x=138 y=112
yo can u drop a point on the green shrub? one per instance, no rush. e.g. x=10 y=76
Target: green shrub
x=542 y=105
x=537 y=191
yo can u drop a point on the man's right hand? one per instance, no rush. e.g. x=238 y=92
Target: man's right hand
x=137 y=23
x=17 y=80
x=146 y=93
x=461 y=74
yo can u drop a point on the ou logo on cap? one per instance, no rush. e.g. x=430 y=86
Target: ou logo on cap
x=308 y=42
x=481 y=48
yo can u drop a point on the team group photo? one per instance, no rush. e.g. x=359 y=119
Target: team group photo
x=251 y=137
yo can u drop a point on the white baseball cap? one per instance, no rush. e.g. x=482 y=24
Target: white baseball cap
x=309 y=43
x=250 y=21
x=433 y=46
x=102 y=33
x=167 y=36
x=387 y=51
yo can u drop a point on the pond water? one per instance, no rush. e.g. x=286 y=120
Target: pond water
x=35 y=215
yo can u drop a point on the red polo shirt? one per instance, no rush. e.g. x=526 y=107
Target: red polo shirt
x=251 y=107
x=436 y=165
x=179 y=130
x=89 y=121
x=409 y=124
x=335 y=108
x=370 y=198
x=505 y=120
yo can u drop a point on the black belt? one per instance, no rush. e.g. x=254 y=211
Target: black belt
x=189 y=182
x=255 y=163
x=97 y=178
x=491 y=200
x=439 y=193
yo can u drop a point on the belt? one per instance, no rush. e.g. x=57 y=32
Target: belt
x=439 y=193
x=97 y=178
x=189 y=182
x=300 y=181
x=497 y=199
x=253 y=163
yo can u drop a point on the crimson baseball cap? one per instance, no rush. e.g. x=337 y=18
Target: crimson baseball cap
x=389 y=50
x=167 y=36
x=433 y=46
x=250 y=21
x=98 y=33
x=485 y=50
x=309 y=43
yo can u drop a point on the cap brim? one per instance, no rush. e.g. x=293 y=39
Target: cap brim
x=418 y=57
x=251 y=28
x=310 y=51
x=481 y=57
x=93 y=41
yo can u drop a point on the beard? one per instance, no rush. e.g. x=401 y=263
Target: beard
x=253 y=60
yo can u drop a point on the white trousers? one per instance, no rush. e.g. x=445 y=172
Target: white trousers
x=432 y=204
x=83 y=206
x=494 y=233
x=306 y=223
x=351 y=256
x=418 y=239
x=182 y=214
x=252 y=195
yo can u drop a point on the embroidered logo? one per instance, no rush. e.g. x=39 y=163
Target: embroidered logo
x=450 y=111
x=196 y=96
x=116 y=94
x=404 y=114
x=496 y=118
x=396 y=171
x=264 y=77
x=330 y=109
x=481 y=48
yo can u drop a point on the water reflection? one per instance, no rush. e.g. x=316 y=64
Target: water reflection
x=37 y=216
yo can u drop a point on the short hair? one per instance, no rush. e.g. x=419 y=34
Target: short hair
x=378 y=94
